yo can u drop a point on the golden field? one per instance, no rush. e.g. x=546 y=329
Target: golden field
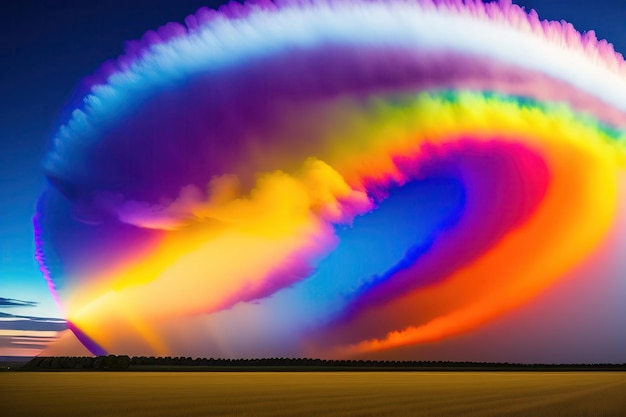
x=441 y=394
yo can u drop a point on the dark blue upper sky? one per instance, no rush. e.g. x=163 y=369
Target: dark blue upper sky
x=48 y=46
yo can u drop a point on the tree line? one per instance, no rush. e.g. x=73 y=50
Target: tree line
x=124 y=362
x=111 y=362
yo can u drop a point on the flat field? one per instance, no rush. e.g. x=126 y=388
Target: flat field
x=307 y=394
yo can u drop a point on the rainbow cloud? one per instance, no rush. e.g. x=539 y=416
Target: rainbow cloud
x=331 y=178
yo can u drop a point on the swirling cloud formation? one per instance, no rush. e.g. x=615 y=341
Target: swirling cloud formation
x=330 y=178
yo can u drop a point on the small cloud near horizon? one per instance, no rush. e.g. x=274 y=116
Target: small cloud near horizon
x=4 y=315
x=27 y=336
x=33 y=325
x=12 y=302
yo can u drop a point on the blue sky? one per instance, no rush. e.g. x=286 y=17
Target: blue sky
x=46 y=47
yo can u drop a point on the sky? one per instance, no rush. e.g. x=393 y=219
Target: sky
x=47 y=47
